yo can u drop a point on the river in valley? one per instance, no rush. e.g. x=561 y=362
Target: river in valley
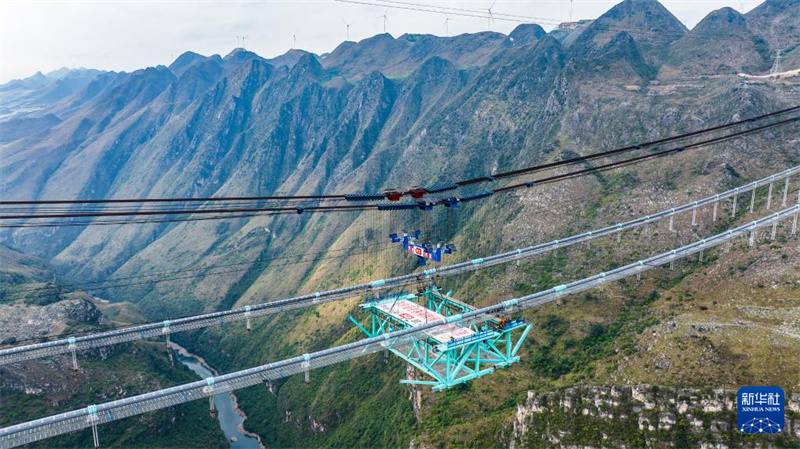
x=230 y=420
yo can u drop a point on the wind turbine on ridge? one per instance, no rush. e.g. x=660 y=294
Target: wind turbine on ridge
x=490 y=17
x=570 y=10
x=348 y=27
x=385 y=19
x=447 y=26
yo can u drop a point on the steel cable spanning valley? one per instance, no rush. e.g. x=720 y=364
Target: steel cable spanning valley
x=139 y=332
x=93 y=415
x=66 y=209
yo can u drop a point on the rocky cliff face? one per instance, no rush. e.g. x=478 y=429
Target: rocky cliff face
x=643 y=415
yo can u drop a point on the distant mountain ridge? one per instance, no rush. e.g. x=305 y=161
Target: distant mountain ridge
x=650 y=24
x=746 y=51
x=755 y=37
x=39 y=91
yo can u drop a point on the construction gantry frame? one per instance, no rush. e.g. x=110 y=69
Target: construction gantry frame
x=491 y=346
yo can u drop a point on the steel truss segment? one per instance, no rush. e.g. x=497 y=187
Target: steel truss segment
x=488 y=344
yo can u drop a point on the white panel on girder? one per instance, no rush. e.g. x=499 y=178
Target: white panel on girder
x=416 y=315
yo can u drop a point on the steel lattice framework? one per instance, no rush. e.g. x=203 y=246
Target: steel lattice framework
x=449 y=358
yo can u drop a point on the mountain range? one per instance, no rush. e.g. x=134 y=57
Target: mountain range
x=200 y=126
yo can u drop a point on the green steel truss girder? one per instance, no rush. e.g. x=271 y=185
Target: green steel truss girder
x=442 y=304
x=449 y=364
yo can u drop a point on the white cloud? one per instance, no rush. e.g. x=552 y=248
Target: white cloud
x=131 y=34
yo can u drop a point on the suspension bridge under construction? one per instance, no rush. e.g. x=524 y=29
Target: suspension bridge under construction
x=445 y=338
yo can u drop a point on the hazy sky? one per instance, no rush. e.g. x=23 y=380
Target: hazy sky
x=131 y=34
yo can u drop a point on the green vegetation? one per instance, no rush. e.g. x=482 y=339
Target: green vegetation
x=539 y=273
x=557 y=357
